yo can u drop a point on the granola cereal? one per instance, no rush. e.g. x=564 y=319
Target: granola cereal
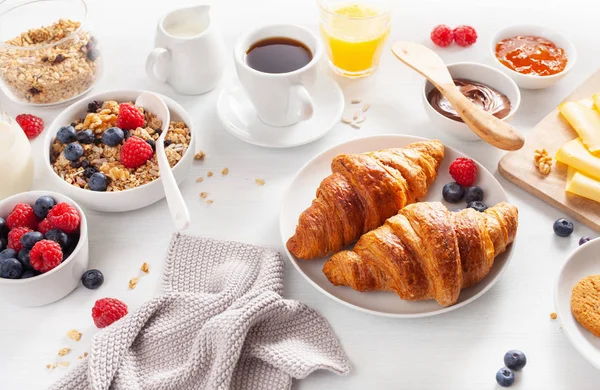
x=50 y=64
x=64 y=351
x=74 y=335
x=145 y=268
x=133 y=283
x=200 y=155
x=99 y=157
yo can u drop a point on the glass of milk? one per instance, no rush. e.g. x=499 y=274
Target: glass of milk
x=16 y=161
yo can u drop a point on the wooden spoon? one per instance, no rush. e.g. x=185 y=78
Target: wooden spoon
x=491 y=129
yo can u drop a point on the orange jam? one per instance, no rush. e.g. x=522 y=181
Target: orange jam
x=531 y=55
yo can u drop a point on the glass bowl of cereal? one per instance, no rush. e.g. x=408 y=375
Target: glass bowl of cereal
x=48 y=53
x=100 y=151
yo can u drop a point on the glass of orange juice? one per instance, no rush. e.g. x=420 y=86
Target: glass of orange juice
x=355 y=32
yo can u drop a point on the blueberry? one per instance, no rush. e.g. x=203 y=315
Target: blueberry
x=66 y=134
x=515 y=360
x=505 y=377
x=113 y=136
x=3 y=227
x=85 y=164
x=3 y=243
x=453 y=192
x=8 y=254
x=92 y=279
x=585 y=239
x=58 y=236
x=98 y=182
x=473 y=194
x=93 y=55
x=477 y=205
x=151 y=143
x=42 y=205
x=126 y=134
x=29 y=274
x=28 y=240
x=10 y=268
x=563 y=227
x=23 y=258
x=94 y=106
x=85 y=136
x=89 y=171
x=167 y=143
x=73 y=151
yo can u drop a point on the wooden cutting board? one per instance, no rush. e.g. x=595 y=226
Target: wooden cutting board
x=551 y=133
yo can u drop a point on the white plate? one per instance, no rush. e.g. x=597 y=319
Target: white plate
x=239 y=118
x=584 y=261
x=302 y=191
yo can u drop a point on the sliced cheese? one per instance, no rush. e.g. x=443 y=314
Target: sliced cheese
x=582 y=185
x=596 y=100
x=585 y=121
x=574 y=154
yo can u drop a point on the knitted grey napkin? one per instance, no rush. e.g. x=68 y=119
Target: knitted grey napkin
x=221 y=323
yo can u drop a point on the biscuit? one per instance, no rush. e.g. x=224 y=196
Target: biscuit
x=585 y=303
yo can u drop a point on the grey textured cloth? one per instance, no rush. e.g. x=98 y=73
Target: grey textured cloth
x=221 y=323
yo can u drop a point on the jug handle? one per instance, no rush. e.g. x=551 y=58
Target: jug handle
x=153 y=71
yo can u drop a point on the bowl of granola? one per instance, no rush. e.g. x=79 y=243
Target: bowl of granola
x=101 y=151
x=48 y=53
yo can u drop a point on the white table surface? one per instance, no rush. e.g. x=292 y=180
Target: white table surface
x=459 y=350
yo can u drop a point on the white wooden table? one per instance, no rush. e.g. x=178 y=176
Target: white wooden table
x=459 y=350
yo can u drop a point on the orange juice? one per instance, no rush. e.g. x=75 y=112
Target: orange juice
x=354 y=35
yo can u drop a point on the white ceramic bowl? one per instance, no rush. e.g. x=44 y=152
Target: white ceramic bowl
x=55 y=284
x=118 y=201
x=530 y=81
x=476 y=72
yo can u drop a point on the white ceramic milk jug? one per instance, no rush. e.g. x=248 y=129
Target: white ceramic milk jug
x=16 y=162
x=189 y=51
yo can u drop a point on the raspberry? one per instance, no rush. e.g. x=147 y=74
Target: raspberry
x=45 y=255
x=14 y=238
x=22 y=215
x=64 y=217
x=135 y=152
x=442 y=35
x=108 y=310
x=465 y=35
x=464 y=171
x=44 y=226
x=31 y=125
x=129 y=117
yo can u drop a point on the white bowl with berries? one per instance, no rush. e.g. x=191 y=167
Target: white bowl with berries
x=101 y=151
x=44 y=247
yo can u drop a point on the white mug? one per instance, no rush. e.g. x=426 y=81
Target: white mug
x=189 y=51
x=280 y=99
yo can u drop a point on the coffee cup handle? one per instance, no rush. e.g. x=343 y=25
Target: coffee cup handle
x=305 y=108
x=155 y=72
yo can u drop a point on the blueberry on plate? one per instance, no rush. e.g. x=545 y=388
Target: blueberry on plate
x=23 y=257
x=477 y=205
x=98 y=182
x=8 y=254
x=453 y=192
x=92 y=279
x=28 y=240
x=515 y=360
x=29 y=274
x=10 y=268
x=73 y=151
x=563 y=227
x=85 y=136
x=505 y=377
x=42 y=205
x=113 y=136
x=585 y=239
x=474 y=194
x=58 y=236
x=66 y=134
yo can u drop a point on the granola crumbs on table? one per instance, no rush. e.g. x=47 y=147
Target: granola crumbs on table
x=200 y=179
x=203 y=195
x=209 y=174
x=200 y=155
x=225 y=171
x=260 y=182
x=85 y=354
x=145 y=268
x=74 y=334
x=209 y=201
x=64 y=351
x=553 y=316
x=79 y=357
x=64 y=364
x=133 y=282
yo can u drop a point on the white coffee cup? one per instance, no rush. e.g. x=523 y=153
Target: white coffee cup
x=189 y=51
x=280 y=99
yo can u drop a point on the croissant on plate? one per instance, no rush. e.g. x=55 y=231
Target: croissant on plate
x=362 y=192
x=426 y=252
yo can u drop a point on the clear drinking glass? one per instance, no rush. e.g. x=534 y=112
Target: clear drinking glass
x=354 y=33
x=48 y=54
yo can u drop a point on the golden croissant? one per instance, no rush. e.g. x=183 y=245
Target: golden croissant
x=362 y=192
x=426 y=252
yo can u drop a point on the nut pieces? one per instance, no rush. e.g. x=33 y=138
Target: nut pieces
x=543 y=161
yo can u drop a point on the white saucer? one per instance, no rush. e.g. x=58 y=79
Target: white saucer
x=239 y=117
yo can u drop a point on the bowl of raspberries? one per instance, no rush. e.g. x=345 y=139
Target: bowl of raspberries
x=43 y=247
x=101 y=151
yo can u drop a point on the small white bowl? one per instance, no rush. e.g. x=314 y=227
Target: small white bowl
x=54 y=284
x=125 y=200
x=476 y=72
x=531 y=81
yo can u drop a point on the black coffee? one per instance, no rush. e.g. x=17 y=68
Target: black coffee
x=278 y=55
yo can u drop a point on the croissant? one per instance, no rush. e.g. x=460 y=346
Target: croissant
x=426 y=252
x=362 y=192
